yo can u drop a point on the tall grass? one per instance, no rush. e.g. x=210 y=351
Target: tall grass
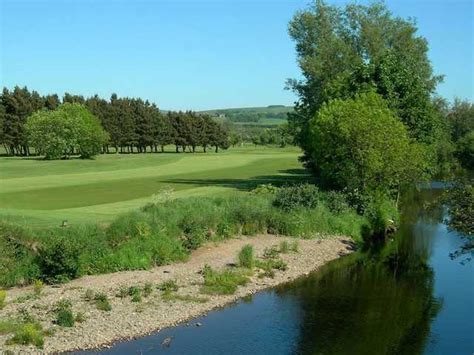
x=159 y=234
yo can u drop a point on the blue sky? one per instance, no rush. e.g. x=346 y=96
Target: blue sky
x=194 y=54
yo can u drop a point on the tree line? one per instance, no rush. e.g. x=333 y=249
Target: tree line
x=132 y=124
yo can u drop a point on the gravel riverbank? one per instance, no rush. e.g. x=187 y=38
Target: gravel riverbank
x=129 y=319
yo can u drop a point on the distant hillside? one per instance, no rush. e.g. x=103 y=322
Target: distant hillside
x=268 y=116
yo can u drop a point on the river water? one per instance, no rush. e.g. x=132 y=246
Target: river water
x=409 y=297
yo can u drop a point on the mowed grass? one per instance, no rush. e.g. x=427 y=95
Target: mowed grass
x=40 y=192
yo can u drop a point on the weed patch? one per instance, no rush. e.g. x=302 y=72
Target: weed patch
x=222 y=282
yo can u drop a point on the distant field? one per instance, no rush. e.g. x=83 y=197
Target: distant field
x=41 y=192
x=254 y=116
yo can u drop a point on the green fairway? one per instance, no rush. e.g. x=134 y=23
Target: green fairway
x=41 y=192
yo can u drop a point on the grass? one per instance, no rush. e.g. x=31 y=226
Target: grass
x=25 y=331
x=168 y=286
x=172 y=296
x=223 y=282
x=157 y=234
x=45 y=193
x=64 y=315
x=246 y=257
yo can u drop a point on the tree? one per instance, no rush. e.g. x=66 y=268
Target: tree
x=68 y=130
x=461 y=120
x=360 y=144
x=357 y=49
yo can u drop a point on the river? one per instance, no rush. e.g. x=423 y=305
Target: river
x=409 y=297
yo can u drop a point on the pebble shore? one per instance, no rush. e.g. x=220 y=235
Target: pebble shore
x=129 y=320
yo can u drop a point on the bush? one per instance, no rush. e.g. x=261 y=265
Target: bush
x=246 y=257
x=38 y=287
x=3 y=297
x=17 y=265
x=135 y=293
x=58 y=259
x=335 y=201
x=289 y=198
x=168 y=286
x=102 y=302
x=64 y=315
x=29 y=333
x=284 y=247
x=222 y=282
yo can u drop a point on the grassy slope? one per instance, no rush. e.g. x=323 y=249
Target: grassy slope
x=45 y=192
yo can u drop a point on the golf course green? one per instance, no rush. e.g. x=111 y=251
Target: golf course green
x=44 y=193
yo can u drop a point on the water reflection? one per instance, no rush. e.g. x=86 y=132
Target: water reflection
x=406 y=297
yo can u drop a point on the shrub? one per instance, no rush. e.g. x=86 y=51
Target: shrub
x=64 y=315
x=336 y=202
x=304 y=195
x=147 y=289
x=135 y=293
x=246 y=257
x=295 y=246
x=270 y=252
x=29 y=333
x=264 y=189
x=58 y=259
x=222 y=282
x=80 y=317
x=122 y=292
x=89 y=295
x=168 y=286
x=102 y=302
x=3 y=297
x=284 y=247
x=271 y=264
x=17 y=266
x=38 y=287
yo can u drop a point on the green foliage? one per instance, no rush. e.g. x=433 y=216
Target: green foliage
x=70 y=128
x=359 y=144
x=135 y=293
x=270 y=252
x=345 y=51
x=28 y=333
x=102 y=302
x=246 y=257
x=3 y=297
x=265 y=189
x=168 y=286
x=460 y=200
x=17 y=266
x=154 y=235
x=289 y=198
x=38 y=287
x=465 y=150
x=171 y=296
x=284 y=247
x=147 y=289
x=295 y=246
x=223 y=282
x=64 y=315
x=58 y=259
x=382 y=213
x=269 y=265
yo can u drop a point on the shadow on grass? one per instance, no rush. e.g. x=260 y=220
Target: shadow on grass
x=290 y=177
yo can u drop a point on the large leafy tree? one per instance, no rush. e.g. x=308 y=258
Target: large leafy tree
x=360 y=144
x=65 y=131
x=345 y=51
